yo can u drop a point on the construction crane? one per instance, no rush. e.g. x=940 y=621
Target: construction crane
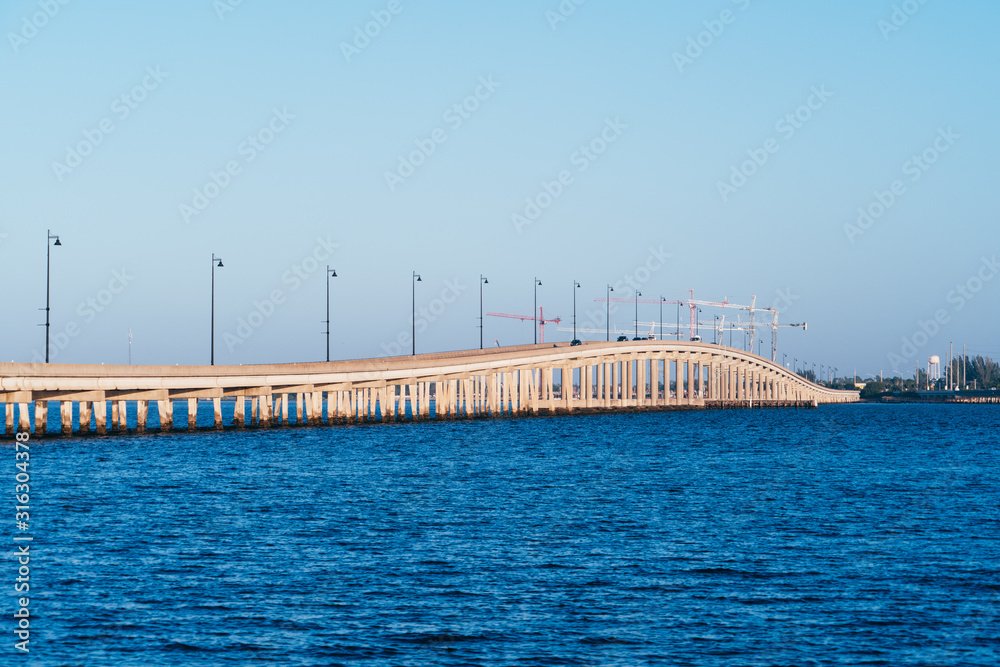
x=540 y=320
x=692 y=303
x=750 y=325
x=740 y=325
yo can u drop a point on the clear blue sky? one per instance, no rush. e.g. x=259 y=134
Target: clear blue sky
x=338 y=119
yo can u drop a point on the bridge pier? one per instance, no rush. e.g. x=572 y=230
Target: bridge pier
x=165 y=411
x=85 y=417
x=141 y=416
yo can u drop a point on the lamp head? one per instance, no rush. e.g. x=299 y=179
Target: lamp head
x=219 y=264
x=333 y=273
x=58 y=242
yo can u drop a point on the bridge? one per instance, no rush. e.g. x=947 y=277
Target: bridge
x=516 y=381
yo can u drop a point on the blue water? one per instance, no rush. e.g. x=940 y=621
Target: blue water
x=853 y=535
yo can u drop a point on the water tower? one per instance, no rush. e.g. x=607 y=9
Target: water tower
x=934 y=368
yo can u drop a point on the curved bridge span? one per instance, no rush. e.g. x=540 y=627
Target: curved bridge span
x=513 y=381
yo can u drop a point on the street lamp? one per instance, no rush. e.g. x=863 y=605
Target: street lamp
x=679 y=304
x=413 y=316
x=697 y=325
x=784 y=360
x=534 y=314
x=608 y=304
x=662 y=299
x=637 y=295
x=214 y=260
x=576 y=286
x=482 y=281
x=330 y=273
x=48 y=273
x=760 y=341
x=716 y=327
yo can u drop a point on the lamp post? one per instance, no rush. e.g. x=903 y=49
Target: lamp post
x=697 y=325
x=607 y=326
x=48 y=273
x=637 y=295
x=330 y=273
x=662 y=299
x=795 y=365
x=534 y=314
x=784 y=360
x=214 y=260
x=679 y=304
x=482 y=281
x=576 y=286
x=413 y=316
x=716 y=326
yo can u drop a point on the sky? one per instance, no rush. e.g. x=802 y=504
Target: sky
x=834 y=161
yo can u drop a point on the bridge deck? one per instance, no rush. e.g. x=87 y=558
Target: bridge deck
x=511 y=381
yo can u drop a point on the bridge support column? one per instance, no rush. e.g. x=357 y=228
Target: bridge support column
x=217 y=413
x=9 y=417
x=192 y=414
x=141 y=415
x=84 y=417
x=116 y=420
x=41 y=418
x=689 y=398
x=165 y=414
x=100 y=417
x=23 y=418
x=266 y=406
x=309 y=407
x=66 y=417
x=666 y=382
x=349 y=406
x=239 y=412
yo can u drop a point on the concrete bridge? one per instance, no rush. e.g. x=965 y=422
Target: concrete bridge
x=513 y=381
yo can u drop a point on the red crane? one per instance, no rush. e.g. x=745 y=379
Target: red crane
x=540 y=319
